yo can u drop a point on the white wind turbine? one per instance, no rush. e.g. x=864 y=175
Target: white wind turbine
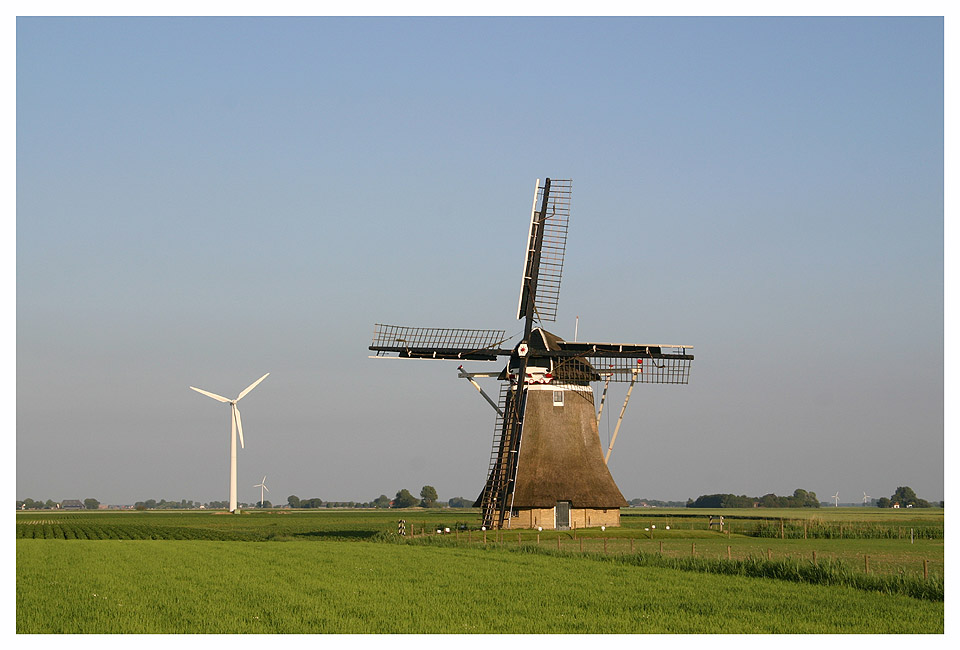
x=263 y=486
x=865 y=497
x=836 y=499
x=235 y=427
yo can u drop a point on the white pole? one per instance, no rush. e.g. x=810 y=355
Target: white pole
x=233 y=460
x=603 y=398
x=616 y=429
x=466 y=375
x=576 y=328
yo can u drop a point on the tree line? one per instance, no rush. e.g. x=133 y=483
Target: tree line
x=800 y=499
x=403 y=499
x=50 y=504
x=905 y=497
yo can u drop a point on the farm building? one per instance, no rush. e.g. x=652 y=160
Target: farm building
x=71 y=504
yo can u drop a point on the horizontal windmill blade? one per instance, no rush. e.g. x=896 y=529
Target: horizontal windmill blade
x=624 y=362
x=219 y=398
x=251 y=387
x=236 y=416
x=546 y=245
x=438 y=343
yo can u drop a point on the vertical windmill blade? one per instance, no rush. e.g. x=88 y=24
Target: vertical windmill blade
x=495 y=499
x=236 y=418
x=251 y=387
x=546 y=244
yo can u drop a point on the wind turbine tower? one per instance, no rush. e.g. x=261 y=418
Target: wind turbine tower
x=836 y=499
x=263 y=486
x=235 y=427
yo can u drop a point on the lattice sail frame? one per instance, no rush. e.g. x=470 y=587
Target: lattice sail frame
x=555 y=227
x=644 y=370
x=437 y=342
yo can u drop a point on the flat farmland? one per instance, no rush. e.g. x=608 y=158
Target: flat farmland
x=334 y=571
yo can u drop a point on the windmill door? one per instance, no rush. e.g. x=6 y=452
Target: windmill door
x=563 y=515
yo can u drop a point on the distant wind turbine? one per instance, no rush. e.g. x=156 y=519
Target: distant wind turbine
x=263 y=486
x=836 y=499
x=235 y=427
x=865 y=497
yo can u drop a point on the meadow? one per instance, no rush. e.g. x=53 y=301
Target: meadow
x=338 y=571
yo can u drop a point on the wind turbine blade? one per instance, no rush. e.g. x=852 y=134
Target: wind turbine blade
x=266 y=488
x=236 y=416
x=213 y=395
x=250 y=387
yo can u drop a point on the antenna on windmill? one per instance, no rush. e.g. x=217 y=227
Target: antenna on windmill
x=235 y=427
x=836 y=499
x=263 y=486
x=546 y=402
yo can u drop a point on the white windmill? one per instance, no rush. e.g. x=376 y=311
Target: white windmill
x=235 y=427
x=866 y=497
x=836 y=499
x=263 y=486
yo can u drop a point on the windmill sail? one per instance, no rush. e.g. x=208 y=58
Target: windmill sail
x=494 y=501
x=546 y=244
x=624 y=362
x=438 y=343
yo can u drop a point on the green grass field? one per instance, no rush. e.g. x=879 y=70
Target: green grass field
x=347 y=572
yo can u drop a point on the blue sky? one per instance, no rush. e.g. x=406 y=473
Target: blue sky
x=202 y=200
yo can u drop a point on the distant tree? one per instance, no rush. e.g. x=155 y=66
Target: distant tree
x=150 y=504
x=50 y=504
x=771 y=501
x=429 y=496
x=460 y=502
x=293 y=501
x=708 y=501
x=404 y=499
x=382 y=501
x=904 y=496
x=803 y=499
x=883 y=502
x=264 y=504
x=91 y=504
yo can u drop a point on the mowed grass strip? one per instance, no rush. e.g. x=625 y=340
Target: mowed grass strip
x=112 y=586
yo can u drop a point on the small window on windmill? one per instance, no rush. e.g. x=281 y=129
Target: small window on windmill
x=558 y=398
